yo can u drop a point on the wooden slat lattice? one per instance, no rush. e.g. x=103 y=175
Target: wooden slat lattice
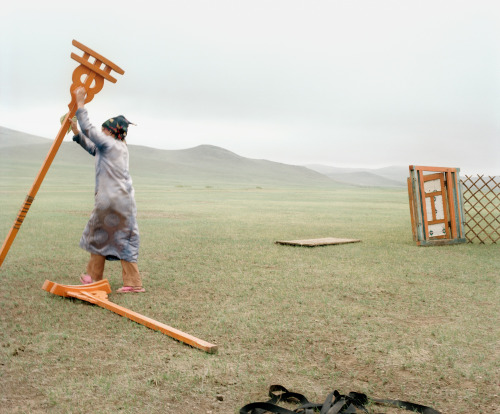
x=482 y=208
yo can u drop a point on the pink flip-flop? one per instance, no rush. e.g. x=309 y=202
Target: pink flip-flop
x=86 y=280
x=131 y=289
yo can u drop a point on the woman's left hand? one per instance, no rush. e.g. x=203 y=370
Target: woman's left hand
x=74 y=126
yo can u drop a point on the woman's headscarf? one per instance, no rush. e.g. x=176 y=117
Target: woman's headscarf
x=118 y=126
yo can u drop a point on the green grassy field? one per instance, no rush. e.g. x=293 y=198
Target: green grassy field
x=383 y=316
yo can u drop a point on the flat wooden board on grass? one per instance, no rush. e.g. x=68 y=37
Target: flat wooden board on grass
x=317 y=242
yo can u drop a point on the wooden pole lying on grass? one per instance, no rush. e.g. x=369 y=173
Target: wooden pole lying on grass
x=93 y=80
x=97 y=294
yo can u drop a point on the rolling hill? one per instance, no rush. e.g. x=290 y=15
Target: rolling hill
x=10 y=138
x=394 y=176
x=207 y=165
x=202 y=165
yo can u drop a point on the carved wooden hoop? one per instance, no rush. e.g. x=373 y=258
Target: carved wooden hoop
x=92 y=73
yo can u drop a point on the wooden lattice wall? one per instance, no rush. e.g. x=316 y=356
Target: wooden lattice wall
x=482 y=208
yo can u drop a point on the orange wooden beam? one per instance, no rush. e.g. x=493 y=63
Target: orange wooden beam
x=412 y=209
x=437 y=169
x=93 y=80
x=97 y=294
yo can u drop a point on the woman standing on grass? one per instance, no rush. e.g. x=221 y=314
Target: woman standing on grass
x=112 y=232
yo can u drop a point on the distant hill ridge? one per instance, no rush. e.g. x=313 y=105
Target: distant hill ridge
x=394 y=176
x=204 y=164
x=12 y=138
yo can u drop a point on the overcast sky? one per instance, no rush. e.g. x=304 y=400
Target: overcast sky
x=367 y=83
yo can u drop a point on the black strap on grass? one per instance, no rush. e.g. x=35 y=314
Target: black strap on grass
x=335 y=403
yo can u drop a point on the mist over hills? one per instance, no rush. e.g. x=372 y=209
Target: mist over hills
x=11 y=138
x=394 y=176
x=201 y=165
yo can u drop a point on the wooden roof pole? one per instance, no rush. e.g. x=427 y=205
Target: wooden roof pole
x=97 y=293
x=93 y=80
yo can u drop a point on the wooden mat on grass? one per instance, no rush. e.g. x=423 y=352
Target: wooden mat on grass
x=317 y=242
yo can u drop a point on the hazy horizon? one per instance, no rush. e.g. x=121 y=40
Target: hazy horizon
x=321 y=168
x=347 y=84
